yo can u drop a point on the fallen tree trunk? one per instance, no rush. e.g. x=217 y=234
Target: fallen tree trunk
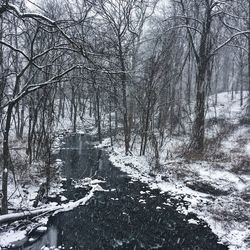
x=25 y=214
x=54 y=209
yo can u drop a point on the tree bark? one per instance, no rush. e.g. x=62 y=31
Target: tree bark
x=198 y=131
x=248 y=105
x=98 y=114
x=6 y=159
x=124 y=100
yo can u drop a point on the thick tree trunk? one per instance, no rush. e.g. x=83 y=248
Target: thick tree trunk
x=6 y=160
x=241 y=84
x=124 y=102
x=199 y=122
x=248 y=104
x=2 y=80
x=198 y=131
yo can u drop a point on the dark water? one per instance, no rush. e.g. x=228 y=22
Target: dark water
x=118 y=219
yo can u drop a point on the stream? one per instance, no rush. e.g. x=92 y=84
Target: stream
x=129 y=216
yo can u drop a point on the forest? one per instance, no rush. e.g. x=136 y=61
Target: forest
x=162 y=86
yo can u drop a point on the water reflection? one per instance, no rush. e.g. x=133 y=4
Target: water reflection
x=37 y=241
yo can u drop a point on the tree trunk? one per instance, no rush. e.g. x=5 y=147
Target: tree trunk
x=241 y=83
x=98 y=114
x=75 y=106
x=124 y=101
x=110 y=123
x=146 y=128
x=198 y=131
x=248 y=105
x=6 y=159
x=199 y=122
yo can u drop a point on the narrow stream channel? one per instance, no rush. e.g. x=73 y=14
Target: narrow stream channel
x=130 y=216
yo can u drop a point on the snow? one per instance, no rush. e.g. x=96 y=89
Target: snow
x=214 y=189
x=247 y=149
x=21 y=197
x=227 y=215
x=73 y=204
x=226 y=107
x=193 y=221
x=45 y=248
x=233 y=142
x=41 y=229
x=11 y=236
x=233 y=232
x=7 y=238
x=63 y=198
x=87 y=182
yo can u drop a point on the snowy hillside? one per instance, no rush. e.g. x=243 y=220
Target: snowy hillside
x=216 y=187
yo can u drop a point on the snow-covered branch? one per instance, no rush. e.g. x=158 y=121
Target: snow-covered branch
x=183 y=26
x=27 y=89
x=229 y=40
x=36 y=16
x=53 y=209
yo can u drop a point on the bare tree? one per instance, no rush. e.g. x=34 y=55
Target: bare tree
x=23 y=85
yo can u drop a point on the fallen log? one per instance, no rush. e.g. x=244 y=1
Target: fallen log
x=54 y=209
x=25 y=214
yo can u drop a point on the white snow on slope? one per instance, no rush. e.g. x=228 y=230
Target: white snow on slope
x=227 y=213
x=226 y=107
x=229 y=232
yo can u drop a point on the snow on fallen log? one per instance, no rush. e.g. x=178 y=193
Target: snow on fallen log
x=56 y=209
x=71 y=205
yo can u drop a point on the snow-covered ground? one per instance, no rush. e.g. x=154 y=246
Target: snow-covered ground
x=28 y=178
x=215 y=193
x=226 y=105
x=11 y=235
x=23 y=190
x=216 y=187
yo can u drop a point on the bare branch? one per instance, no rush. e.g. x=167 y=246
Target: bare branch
x=229 y=40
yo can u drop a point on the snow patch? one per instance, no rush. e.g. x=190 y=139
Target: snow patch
x=7 y=238
x=220 y=178
x=247 y=149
